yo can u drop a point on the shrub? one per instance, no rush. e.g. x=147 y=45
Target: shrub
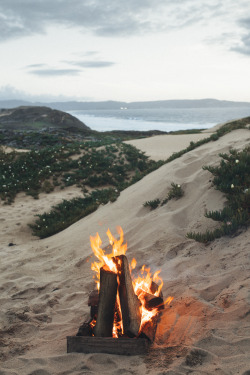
x=233 y=179
x=68 y=212
x=175 y=192
x=152 y=204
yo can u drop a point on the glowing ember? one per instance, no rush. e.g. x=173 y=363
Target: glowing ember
x=145 y=284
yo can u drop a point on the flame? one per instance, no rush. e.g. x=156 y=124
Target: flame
x=145 y=283
x=118 y=248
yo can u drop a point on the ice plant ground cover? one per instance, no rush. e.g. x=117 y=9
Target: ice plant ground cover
x=84 y=165
x=233 y=179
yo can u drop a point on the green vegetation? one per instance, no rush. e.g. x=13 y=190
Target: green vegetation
x=109 y=168
x=176 y=192
x=68 y=212
x=227 y=128
x=152 y=204
x=99 y=161
x=83 y=165
x=232 y=178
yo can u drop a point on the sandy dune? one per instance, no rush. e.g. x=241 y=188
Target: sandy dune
x=45 y=283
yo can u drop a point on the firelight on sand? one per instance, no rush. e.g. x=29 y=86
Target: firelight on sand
x=142 y=284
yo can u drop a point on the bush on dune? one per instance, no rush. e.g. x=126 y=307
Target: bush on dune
x=233 y=179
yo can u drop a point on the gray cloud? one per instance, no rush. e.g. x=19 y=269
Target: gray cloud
x=244 y=46
x=53 y=72
x=111 y=18
x=35 y=66
x=91 y=64
x=9 y=92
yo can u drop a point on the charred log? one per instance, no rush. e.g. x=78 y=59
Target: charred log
x=151 y=301
x=148 y=330
x=106 y=305
x=130 y=304
x=93 y=303
x=85 y=330
x=154 y=288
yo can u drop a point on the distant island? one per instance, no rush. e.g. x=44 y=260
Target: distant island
x=75 y=105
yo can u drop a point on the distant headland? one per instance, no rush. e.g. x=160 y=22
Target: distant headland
x=101 y=105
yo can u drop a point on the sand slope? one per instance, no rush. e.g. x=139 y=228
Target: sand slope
x=45 y=283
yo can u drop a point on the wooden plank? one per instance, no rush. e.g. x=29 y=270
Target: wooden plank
x=109 y=345
x=106 y=305
x=130 y=304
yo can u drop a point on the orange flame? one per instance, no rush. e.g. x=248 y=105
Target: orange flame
x=118 y=248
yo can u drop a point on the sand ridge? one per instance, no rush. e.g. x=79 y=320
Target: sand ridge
x=45 y=283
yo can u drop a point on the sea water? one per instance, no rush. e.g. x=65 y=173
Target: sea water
x=165 y=119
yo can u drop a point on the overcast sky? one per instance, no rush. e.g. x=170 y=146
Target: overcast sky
x=129 y=50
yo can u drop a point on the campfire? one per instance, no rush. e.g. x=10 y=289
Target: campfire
x=125 y=306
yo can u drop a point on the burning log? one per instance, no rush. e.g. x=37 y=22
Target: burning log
x=130 y=304
x=85 y=329
x=148 y=330
x=151 y=301
x=154 y=288
x=106 y=305
x=93 y=298
x=93 y=303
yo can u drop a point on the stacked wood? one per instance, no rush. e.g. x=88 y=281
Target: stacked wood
x=129 y=302
x=106 y=305
x=117 y=302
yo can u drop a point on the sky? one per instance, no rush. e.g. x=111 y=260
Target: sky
x=125 y=50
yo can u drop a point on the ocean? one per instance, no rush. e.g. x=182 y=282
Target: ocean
x=165 y=119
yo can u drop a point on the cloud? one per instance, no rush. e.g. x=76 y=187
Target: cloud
x=35 y=66
x=19 y=18
x=53 y=72
x=9 y=92
x=244 y=46
x=91 y=64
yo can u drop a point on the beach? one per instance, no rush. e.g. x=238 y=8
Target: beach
x=45 y=283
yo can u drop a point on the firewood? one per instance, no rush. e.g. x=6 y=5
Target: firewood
x=85 y=330
x=151 y=301
x=106 y=306
x=93 y=303
x=93 y=298
x=154 y=287
x=148 y=330
x=130 y=304
x=110 y=345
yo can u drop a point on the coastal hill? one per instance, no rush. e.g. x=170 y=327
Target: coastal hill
x=40 y=126
x=102 y=105
x=37 y=118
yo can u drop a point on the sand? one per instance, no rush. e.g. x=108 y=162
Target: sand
x=45 y=283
